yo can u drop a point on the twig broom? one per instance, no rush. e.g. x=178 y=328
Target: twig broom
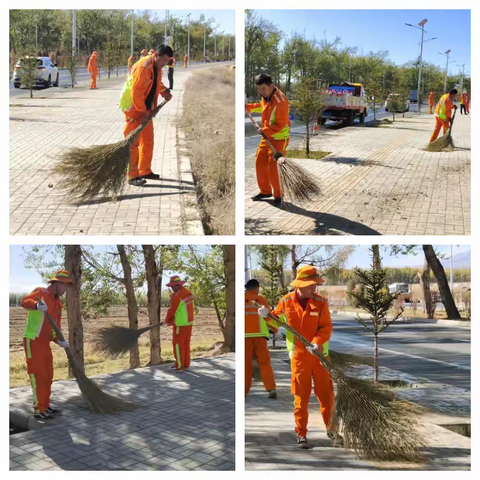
x=444 y=142
x=85 y=172
x=374 y=424
x=295 y=183
x=98 y=401
x=116 y=341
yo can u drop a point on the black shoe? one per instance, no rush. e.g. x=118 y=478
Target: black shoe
x=277 y=200
x=52 y=410
x=151 y=176
x=302 y=442
x=137 y=182
x=272 y=394
x=43 y=416
x=261 y=196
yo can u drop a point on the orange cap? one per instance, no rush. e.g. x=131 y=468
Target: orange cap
x=306 y=276
x=62 y=276
x=175 y=280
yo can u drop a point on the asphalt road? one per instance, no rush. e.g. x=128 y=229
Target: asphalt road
x=83 y=78
x=440 y=353
x=298 y=131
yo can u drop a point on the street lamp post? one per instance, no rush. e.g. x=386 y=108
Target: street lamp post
x=131 y=35
x=421 y=26
x=166 y=21
x=447 y=54
x=74 y=30
x=188 y=45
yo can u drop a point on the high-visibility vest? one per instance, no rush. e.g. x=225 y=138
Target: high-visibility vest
x=255 y=325
x=184 y=313
x=440 y=111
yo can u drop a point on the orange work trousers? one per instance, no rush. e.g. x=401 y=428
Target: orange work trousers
x=40 y=370
x=439 y=123
x=266 y=167
x=141 y=152
x=467 y=107
x=181 y=346
x=258 y=347
x=93 y=78
x=304 y=369
x=431 y=107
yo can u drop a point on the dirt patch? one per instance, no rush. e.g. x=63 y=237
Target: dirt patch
x=208 y=121
x=206 y=333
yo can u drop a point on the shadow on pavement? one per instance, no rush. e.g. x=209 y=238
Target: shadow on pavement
x=134 y=196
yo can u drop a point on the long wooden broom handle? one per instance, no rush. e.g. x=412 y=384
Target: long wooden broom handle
x=276 y=153
x=132 y=136
x=68 y=351
x=325 y=362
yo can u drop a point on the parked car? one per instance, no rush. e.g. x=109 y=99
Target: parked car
x=47 y=72
x=394 y=100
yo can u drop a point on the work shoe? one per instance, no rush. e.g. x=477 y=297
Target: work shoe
x=52 y=410
x=137 y=182
x=151 y=176
x=302 y=442
x=261 y=196
x=272 y=394
x=336 y=438
x=43 y=416
x=277 y=200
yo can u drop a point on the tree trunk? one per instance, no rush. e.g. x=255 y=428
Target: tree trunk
x=131 y=303
x=377 y=260
x=444 y=289
x=229 y=262
x=375 y=357
x=73 y=255
x=153 y=307
x=294 y=261
x=308 y=138
x=424 y=278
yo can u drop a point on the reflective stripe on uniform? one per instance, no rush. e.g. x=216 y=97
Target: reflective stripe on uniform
x=179 y=360
x=29 y=350
x=34 y=389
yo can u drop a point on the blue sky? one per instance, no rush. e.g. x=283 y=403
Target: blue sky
x=225 y=18
x=23 y=279
x=361 y=257
x=373 y=30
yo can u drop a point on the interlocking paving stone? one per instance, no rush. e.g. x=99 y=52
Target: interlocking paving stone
x=82 y=118
x=375 y=181
x=183 y=422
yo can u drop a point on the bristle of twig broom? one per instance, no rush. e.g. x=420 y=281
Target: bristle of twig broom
x=116 y=341
x=445 y=142
x=374 y=423
x=88 y=172
x=97 y=400
x=295 y=183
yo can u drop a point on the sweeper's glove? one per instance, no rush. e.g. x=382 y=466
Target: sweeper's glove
x=42 y=306
x=263 y=312
x=312 y=349
x=63 y=344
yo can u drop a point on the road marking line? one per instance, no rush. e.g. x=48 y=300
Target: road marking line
x=461 y=367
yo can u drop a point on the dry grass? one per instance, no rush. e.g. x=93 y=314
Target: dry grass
x=208 y=121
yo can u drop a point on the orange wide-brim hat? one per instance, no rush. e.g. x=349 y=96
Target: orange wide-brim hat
x=175 y=280
x=62 y=276
x=307 y=276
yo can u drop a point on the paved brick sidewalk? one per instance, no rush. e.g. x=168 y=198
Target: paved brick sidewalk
x=186 y=422
x=376 y=181
x=270 y=437
x=42 y=128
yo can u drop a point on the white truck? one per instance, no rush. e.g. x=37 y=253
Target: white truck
x=344 y=103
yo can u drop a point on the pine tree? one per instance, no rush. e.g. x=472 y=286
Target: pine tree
x=376 y=300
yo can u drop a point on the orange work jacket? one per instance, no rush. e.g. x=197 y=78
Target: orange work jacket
x=181 y=311
x=314 y=323
x=256 y=326
x=92 y=63
x=275 y=119
x=142 y=81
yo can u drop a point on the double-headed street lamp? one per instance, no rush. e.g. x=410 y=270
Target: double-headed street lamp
x=420 y=27
x=447 y=54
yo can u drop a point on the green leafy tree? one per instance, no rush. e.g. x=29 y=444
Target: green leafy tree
x=27 y=70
